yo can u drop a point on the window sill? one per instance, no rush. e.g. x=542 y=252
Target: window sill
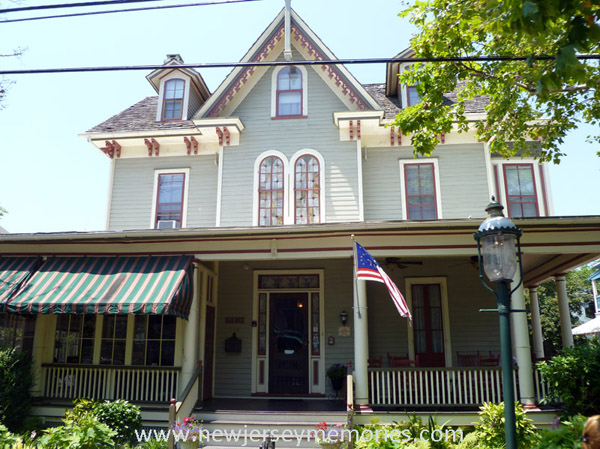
x=288 y=117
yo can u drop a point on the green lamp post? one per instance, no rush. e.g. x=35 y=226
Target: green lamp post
x=498 y=242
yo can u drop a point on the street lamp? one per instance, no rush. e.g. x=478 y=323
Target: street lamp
x=498 y=239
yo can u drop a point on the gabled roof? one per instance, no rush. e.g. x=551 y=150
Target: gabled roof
x=268 y=47
x=139 y=117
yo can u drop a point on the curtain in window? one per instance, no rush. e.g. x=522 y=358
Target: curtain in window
x=420 y=192
x=520 y=191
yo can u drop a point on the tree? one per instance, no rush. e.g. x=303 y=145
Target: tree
x=4 y=83
x=581 y=298
x=528 y=100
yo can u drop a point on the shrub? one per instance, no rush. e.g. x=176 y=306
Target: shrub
x=490 y=428
x=121 y=416
x=16 y=380
x=564 y=437
x=81 y=431
x=574 y=378
x=154 y=444
x=6 y=438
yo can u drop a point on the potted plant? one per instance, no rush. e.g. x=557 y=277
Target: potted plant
x=188 y=432
x=337 y=375
x=330 y=436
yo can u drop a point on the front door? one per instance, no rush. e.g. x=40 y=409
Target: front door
x=427 y=320
x=288 y=343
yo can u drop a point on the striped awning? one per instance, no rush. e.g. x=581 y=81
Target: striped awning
x=13 y=271
x=159 y=285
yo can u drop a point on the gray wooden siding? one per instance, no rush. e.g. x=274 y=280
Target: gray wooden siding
x=288 y=136
x=233 y=372
x=194 y=103
x=463 y=181
x=133 y=188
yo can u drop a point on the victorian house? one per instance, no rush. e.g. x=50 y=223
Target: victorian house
x=226 y=271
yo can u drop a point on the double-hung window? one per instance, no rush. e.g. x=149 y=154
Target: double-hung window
x=173 y=99
x=421 y=197
x=154 y=340
x=170 y=198
x=521 y=196
x=16 y=331
x=289 y=92
x=74 y=342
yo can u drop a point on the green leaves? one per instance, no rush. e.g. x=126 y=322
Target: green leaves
x=527 y=101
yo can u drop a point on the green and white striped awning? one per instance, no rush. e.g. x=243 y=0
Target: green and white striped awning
x=13 y=272
x=159 y=285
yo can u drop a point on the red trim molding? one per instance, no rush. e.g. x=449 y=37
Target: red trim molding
x=111 y=149
x=152 y=144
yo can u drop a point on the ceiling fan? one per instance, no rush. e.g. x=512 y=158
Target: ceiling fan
x=392 y=262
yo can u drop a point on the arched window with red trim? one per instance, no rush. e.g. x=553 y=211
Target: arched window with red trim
x=307 y=190
x=271 y=192
x=289 y=92
x=173 y=99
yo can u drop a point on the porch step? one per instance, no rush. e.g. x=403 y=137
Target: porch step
x=235 y=429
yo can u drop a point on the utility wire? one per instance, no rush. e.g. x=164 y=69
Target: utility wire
x=284 y=63
x=72 y=5
x=126 y=10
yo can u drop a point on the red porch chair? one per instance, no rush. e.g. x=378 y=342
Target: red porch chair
x=492 y=360
x=468 y=359
x=375 y=363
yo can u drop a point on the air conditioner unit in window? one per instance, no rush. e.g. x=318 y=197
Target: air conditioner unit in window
x=166 y=224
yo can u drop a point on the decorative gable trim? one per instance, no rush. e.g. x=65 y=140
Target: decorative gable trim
x=308 y=44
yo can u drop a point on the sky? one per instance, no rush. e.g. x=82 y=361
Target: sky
x=51 y=180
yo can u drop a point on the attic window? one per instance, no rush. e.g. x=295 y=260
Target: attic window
x=410 y=95
x=173 y=99
x=288 y=93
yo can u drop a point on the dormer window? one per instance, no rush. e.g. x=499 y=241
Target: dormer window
x=412 y=96
x=289 y=93
x=173 y=99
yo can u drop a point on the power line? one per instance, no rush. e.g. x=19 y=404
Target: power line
x=60 y=16
x=72 y=5
x=284 y=63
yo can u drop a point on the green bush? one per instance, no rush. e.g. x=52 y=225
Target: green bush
x=16 y=380
x=490 y=428
x=154 y=444
x=121 y=416
x=574 y=378
x=566 y=436
x=81 y=431
x=6 y=438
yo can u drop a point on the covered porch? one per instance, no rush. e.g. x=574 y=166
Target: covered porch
x=225 y=346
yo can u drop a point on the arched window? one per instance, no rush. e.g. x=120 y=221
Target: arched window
x=289 y=92
x=271 y=192
x=307 y=190
x=173 y=99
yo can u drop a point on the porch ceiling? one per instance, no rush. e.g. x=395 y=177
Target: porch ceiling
x=550 y=245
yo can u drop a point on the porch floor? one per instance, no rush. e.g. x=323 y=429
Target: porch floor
x=271 y=405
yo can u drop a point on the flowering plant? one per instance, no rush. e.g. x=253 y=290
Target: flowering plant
x=337 y=371
x=329 y=433
x=190 y=429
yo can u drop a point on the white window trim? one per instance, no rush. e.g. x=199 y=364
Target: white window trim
x=274 y=92
x=286 y=185
x=436 y=177
x=403 y=88
x=293 y=160
x=186 y=185
x=409 y=282
x=186 y=95
x=289 y=171
x=536 y=179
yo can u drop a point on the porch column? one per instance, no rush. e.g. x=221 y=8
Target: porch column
x=361 y=343
x=536 y=324
x=190 y=337
x=522 y=348
x=563 y=311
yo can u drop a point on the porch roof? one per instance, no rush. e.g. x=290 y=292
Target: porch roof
x=109 y=285
x=13 y=271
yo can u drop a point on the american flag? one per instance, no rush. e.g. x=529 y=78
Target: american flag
x=368 y=269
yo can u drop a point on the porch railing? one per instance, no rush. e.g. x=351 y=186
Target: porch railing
x=435 y=386
x=133 y=383
x=442 y=386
